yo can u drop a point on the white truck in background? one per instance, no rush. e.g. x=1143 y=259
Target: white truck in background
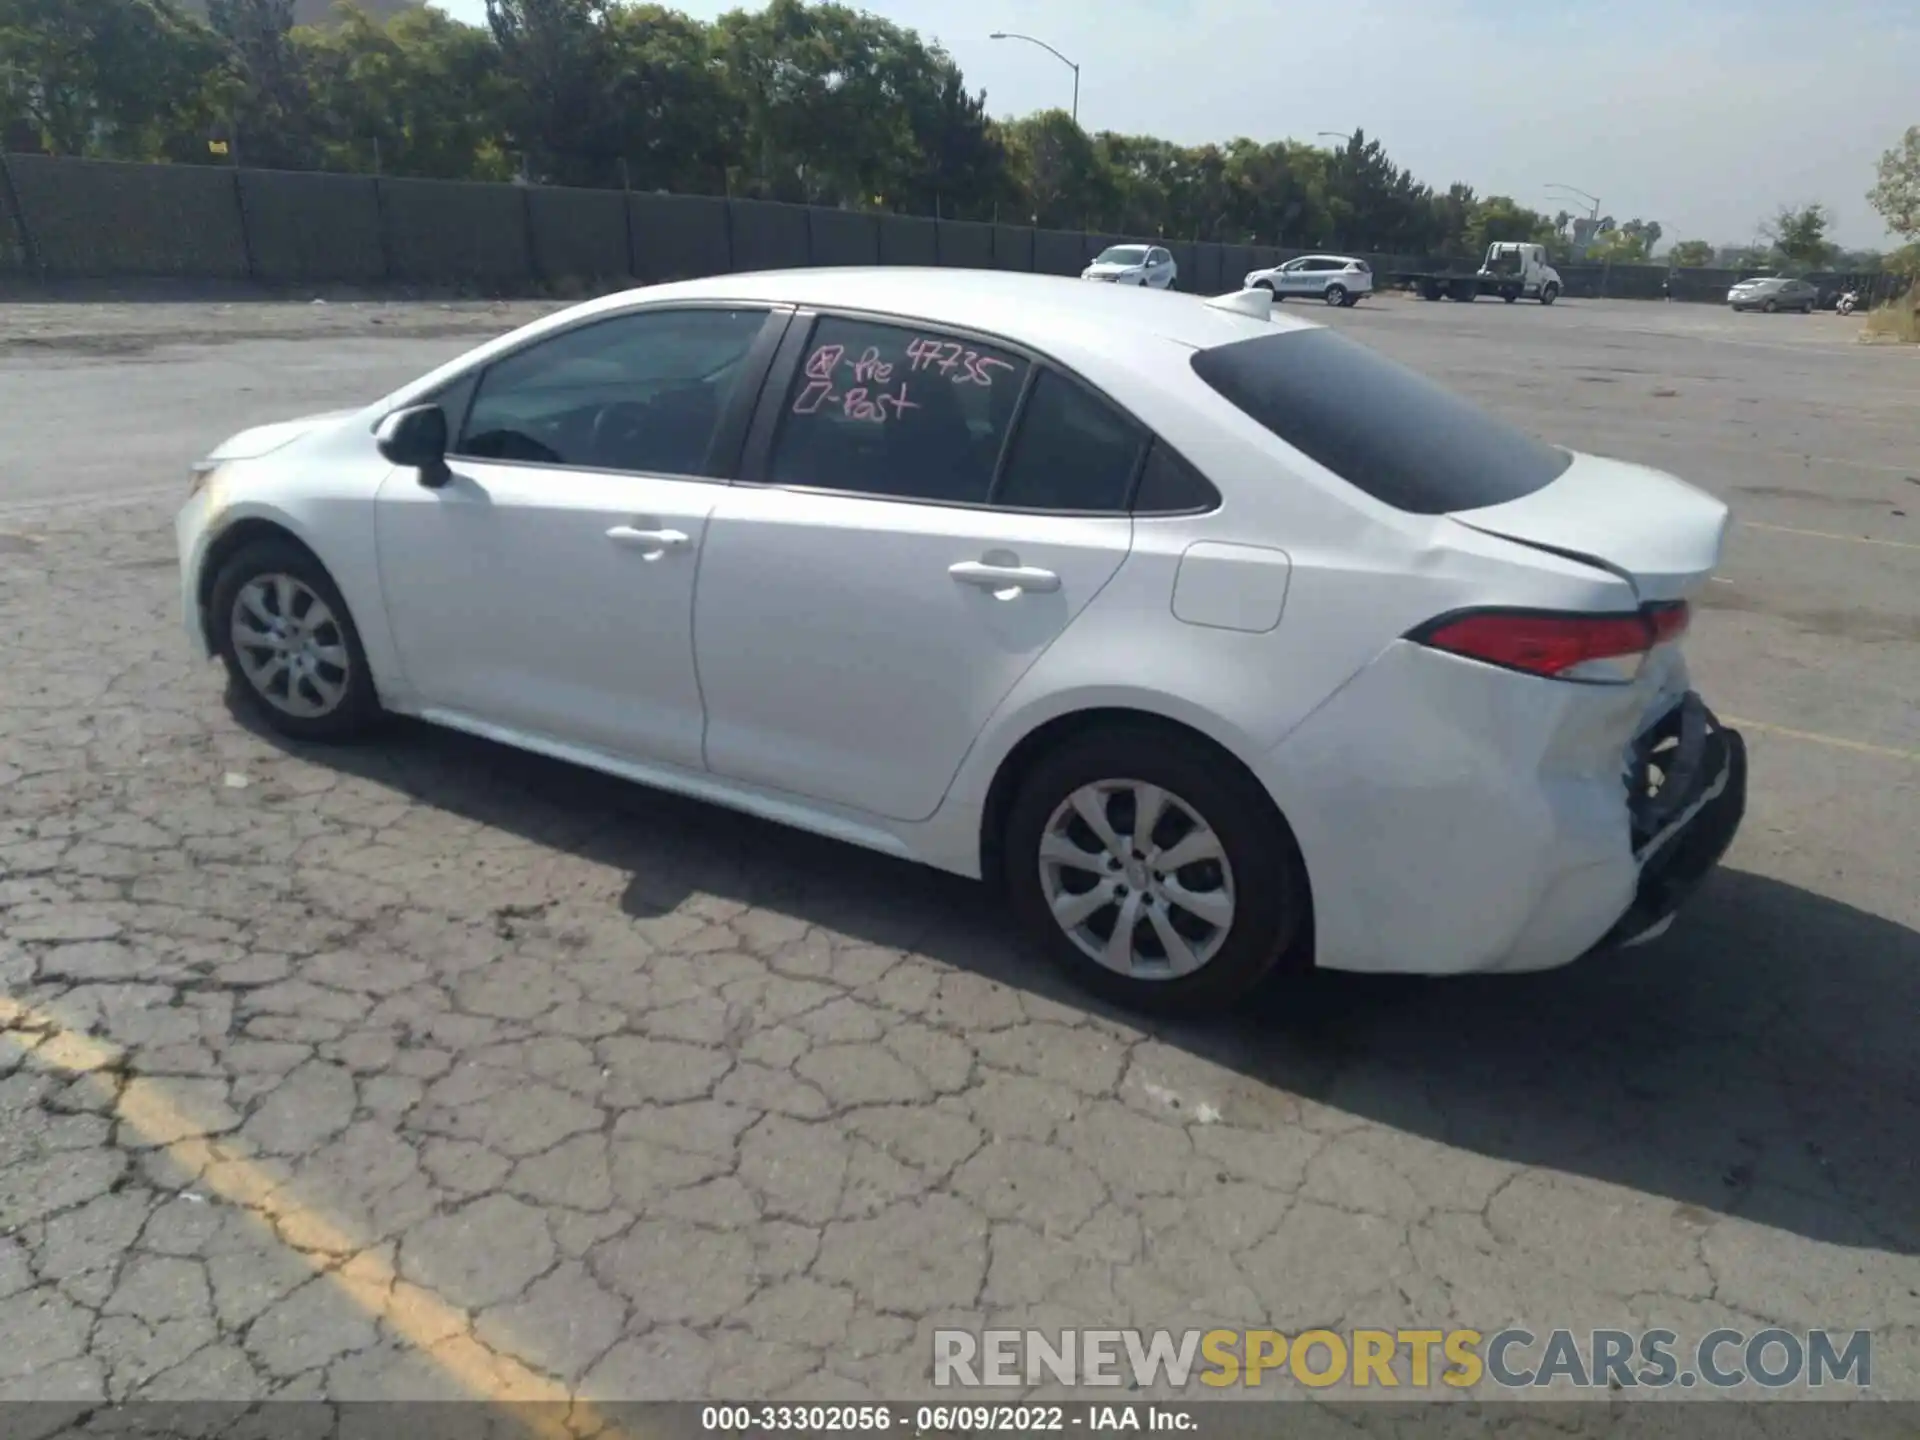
x=1511 y=269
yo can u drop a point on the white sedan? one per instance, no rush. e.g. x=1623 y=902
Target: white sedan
x=1148 y=265
x=1213 y=639
x=1336 y=279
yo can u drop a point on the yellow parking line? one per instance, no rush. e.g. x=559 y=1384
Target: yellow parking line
x=1830 y=535
x=1889 y=752
x=424 y=1320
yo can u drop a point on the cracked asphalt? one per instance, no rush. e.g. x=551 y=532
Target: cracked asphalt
x=428 y=1068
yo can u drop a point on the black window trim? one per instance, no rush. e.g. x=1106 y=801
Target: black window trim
x=778 y=380
x=729 y=436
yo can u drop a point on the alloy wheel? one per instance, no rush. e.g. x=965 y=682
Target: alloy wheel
x=1137 y=879
x=290 y=646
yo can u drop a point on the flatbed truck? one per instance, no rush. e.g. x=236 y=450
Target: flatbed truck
x=1512 y=270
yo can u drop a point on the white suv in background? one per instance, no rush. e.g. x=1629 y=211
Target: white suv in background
x=1149 y=265
x=1336 y=279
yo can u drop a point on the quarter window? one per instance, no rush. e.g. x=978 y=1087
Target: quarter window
x=1170 y=486
x=1073 y=451
x=641 y=392
x=897 y=411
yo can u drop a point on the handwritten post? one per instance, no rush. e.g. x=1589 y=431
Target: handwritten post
x=869 y=398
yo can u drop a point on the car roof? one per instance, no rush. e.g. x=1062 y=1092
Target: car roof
x=1028 y=308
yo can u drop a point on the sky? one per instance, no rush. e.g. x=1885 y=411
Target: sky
x=1706 y=117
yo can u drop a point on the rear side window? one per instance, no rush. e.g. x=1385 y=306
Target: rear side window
x=1073 y=451
x=889 y=410
x=1379 y=426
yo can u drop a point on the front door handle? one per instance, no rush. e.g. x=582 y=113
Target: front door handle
x=654 y=540
x=1004 y=578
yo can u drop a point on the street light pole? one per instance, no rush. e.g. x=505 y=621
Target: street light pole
x=1339 y=135
x=1593 y=200
x=1033 y=40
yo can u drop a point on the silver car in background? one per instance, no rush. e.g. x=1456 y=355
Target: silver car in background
x=1774 y=292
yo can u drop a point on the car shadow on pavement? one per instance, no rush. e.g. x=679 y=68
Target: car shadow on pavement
x=1759 y=1060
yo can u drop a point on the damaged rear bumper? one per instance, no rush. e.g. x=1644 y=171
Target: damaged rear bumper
x=1688 y=781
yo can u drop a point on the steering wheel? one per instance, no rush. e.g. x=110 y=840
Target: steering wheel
x=615 y=428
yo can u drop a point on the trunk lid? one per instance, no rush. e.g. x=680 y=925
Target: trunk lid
x=1659 y=533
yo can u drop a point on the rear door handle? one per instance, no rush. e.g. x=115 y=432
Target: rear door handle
x=1004 y=577
x=649 y=539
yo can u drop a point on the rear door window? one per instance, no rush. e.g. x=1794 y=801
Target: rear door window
x=892 y=410
x=1381 y=427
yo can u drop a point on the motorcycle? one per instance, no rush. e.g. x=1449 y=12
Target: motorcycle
x=1849 y=302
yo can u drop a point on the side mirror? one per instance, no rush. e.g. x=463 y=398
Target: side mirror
x=417 y=439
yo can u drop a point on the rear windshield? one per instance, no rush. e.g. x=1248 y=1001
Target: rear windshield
x=1378 y=425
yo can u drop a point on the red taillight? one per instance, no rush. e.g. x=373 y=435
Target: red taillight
x=1669 y=621
x=1552 y=643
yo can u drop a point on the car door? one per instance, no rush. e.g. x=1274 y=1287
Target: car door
x=1299 y=275
x=1162 y=268
x=547 y=587
x=892 y=563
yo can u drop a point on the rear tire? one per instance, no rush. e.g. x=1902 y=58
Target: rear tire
x=1510 y=294
x=1767 y=307
x=1336 y=295
x=1256 y=892
x=292 y=651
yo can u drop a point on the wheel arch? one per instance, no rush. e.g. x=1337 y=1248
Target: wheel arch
x=244 y=529
x=1049 y=735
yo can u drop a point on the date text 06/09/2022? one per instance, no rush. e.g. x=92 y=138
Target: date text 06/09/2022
x=962 y=1419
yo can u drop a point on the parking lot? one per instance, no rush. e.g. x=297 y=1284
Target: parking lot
x=432 y=1069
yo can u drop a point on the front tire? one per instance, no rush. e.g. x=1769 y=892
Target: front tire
x=1550 y=294
x=1152 y=873
x=1767 y=307
x=289 y=644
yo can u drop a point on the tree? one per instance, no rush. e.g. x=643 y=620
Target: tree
x=830 y=93
x=679 y=123
x=1373 y=202
x=1628 y=244
x=128 y=79
x=1501 y=218
x=1064 y=182
x=560 y=113
x=1897 y=194
x=270 y=108
x=1799 y=235
x=1453 y=212
x=1691 y=255
x=420 y=95
x=958 y=164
